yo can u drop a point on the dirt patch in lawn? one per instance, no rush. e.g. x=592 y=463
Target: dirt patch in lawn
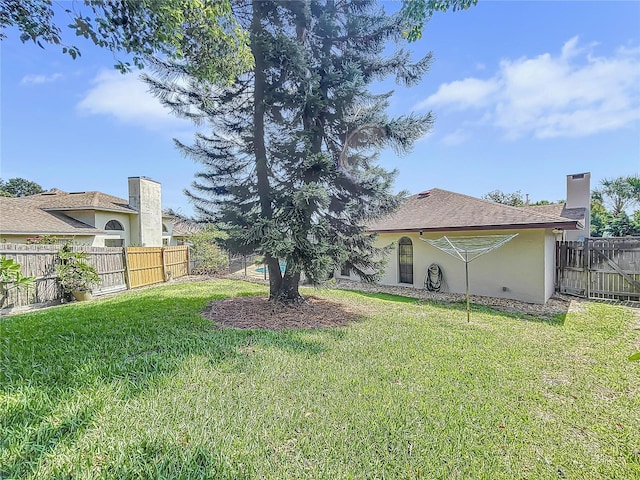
x=259 y=313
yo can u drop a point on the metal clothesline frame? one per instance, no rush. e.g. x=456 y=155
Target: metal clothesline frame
x=467 y=249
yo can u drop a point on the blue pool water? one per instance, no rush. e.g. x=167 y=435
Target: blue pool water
x=283 y=266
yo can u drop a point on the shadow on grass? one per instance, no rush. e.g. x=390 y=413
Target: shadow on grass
x=58 y=367
x=555 y=320
x=150 y=459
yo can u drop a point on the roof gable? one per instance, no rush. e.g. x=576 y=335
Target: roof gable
x=442 y=210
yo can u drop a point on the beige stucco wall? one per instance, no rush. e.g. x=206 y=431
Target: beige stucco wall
x=550 y=262
x=166 y=236
x=145 y=196
x=524 y=265
x=124 y=218
x=84 y=216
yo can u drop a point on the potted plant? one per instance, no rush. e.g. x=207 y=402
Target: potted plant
x=76 y=277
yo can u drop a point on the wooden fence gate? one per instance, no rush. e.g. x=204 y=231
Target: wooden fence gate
x=150 y=265
x=600 y=268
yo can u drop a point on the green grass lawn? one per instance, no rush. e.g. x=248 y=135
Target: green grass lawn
x=139 y=385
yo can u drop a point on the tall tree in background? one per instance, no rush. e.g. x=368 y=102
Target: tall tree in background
x=290 y=160
x=619 y=195
x=514 y=199
x=622 y=225
x=19 y=187
x=599 y=216
x=203 y=33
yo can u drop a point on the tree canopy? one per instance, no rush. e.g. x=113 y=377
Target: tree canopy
x=619 y=193
x=19 y=187
x=514 y=199
x=206 y=34
x=202 y=33
x=417 y=12
x=609 y=205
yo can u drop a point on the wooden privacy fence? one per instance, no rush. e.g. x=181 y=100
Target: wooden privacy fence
x=150 y=265
x=118 y=268
x=39 y=261
x=601 y=268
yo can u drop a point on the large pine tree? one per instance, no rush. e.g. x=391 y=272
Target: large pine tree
x=290 y=155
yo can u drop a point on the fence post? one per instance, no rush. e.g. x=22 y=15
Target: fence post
x=127 y=271
x=164 y=263
x=563 y=264
x=587 y=267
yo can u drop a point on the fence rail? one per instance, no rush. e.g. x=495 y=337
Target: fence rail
x=119 y=268
x=599 y=268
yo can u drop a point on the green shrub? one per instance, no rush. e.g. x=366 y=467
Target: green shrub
x=206 y=255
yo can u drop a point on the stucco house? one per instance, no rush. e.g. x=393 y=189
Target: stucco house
x=92 y=218
x=522 y=269
x=177 y=230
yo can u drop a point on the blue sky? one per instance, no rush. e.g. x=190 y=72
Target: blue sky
x=523 y=93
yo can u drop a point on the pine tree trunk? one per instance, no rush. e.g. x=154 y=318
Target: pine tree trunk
x=262 y=172
x=275 y=277
x=289 y=292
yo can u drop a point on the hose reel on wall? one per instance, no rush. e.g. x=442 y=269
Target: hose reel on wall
x=433 y=280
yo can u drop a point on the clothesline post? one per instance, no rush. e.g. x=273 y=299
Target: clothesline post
x=477 y=246
x=466 y=271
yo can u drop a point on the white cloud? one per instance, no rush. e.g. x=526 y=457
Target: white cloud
x=127 y=98
x=456 y=138
x=572 y=94
x=470 y=92
x=37 y=79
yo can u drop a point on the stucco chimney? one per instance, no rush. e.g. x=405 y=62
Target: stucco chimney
x=579 y=196
x=145 y=196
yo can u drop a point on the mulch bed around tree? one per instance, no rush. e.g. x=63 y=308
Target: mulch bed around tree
x=259 y=313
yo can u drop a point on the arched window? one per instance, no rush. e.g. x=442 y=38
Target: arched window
x=164 y=228
x=113 y=225
x=405 y=260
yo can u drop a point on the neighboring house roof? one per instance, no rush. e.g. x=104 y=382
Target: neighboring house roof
x=184 y=228
x=42 y=213
x=58 y=200
x=441 y=210
x=21 y=216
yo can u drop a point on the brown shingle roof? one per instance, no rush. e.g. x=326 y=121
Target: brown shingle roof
x=560 y=210
x=441 y=210
x=184 y=228
x=24 y=216
x=59 y=200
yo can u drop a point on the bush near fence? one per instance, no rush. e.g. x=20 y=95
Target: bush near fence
x=150 y=265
